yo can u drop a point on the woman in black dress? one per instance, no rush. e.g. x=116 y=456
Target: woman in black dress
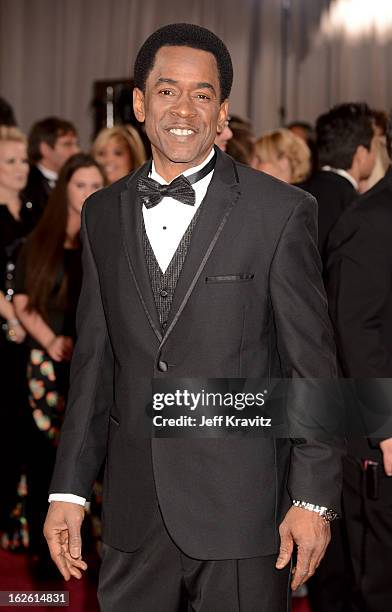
x=48 y=279
x=13 y=228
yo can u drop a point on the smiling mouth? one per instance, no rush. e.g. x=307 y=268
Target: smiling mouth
x=181 y=132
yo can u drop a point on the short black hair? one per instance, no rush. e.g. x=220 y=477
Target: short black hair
x=341 y=131
x=184 y=35
x=47 y=130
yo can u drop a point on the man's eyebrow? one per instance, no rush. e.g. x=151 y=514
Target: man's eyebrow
x=201 y=85
x=206 y=86
x=162 y=80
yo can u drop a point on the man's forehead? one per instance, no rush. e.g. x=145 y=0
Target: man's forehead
x=182 y=60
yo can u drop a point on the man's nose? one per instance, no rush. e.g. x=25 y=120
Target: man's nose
x=184 y=106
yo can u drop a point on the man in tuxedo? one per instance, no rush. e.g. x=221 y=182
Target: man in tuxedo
x=51 y=142
x=359 y=286
x=346 y=151
x=194 y=267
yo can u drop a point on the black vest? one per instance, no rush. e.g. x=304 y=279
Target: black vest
x=164 y=284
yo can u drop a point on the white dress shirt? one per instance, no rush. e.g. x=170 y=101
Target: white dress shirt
x=165 y=224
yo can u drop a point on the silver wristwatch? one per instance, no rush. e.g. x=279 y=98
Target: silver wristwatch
x=327 y=513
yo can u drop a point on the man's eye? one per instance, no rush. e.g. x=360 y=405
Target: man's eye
x=201 y=96
x=166 y=92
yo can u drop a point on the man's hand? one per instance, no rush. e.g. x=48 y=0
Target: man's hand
x=312 y=534
x=62 y=533
x=386 y=447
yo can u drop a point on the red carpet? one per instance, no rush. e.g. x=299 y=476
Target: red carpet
x=15 y=575
x=301 y=605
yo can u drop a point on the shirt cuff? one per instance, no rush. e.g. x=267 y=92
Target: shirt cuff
x=67 y=497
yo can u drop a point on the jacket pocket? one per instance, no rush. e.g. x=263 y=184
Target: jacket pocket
x=229 y=278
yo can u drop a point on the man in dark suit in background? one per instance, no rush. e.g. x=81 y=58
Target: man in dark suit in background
x=346 y=150
x=194 y=266
x=359 y=287
x=51 y=142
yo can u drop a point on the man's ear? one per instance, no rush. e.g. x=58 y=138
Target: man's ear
x=138 y=105
x=222 y=116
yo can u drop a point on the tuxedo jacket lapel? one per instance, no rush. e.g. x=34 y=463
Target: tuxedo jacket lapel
x=222 y=195
x=132 y=233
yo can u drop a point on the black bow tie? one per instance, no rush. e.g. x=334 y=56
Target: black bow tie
x=151 y=192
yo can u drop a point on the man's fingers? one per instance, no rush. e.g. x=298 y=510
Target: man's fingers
x=79 y=563
x=56 y=553
x=66 y=564
x=75 y=541
x=286 y=549
x=308 y=560
x=302 y=571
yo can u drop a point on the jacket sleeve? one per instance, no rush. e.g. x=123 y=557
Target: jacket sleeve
x=307 y=355
x=83 y=440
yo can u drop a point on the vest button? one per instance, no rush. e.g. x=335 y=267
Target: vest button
x=162 y=366
x=163 y=293
x=164 y=324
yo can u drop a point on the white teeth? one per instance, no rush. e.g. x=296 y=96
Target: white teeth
x=179 y=132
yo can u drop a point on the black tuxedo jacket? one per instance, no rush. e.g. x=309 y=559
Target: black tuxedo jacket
x=262 y=312
x=359 y=286
x=334 y=193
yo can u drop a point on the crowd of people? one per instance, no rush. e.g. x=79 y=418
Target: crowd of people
x=44 y=179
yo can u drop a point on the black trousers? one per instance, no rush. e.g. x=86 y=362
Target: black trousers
x=160 y=578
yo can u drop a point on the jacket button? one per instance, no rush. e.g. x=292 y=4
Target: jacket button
x=162 y=366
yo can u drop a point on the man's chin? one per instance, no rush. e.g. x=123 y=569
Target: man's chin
x=186 y=156
x=182 y=153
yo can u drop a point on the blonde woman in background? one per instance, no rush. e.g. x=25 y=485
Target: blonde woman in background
x=283 y=155
x=119 y=150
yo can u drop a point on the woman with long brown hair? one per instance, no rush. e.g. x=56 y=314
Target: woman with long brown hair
x=48 y=279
